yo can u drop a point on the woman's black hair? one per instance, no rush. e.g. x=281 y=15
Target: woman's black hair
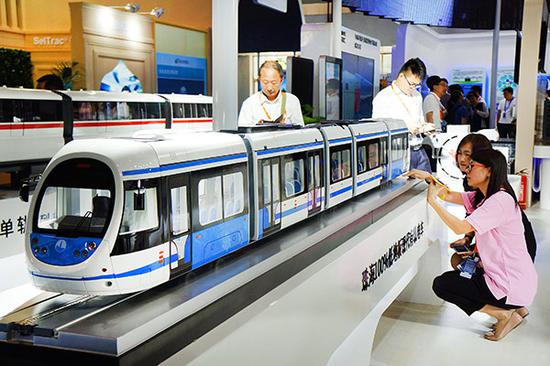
x=478 y=142
x=496 y=162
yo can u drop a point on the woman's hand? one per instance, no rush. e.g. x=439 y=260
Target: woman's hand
x=434 y=190
x=419 y=174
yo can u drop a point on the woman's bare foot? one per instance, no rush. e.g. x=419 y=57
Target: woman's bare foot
x=504 y=325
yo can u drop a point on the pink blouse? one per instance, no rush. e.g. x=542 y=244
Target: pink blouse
x=509 y=270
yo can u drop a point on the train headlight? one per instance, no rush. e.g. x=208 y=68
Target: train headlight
x=91 y=245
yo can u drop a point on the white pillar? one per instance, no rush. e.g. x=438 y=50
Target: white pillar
x=545 y=184
x=225 y=37
x=337 y=24
x=527 y=89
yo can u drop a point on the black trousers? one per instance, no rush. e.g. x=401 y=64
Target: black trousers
x=505 y=130
x=468 y=294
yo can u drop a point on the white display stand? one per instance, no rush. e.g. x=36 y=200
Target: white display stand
x=321 y=316
x=543 y=152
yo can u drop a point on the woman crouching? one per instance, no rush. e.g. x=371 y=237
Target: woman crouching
x=499 y=278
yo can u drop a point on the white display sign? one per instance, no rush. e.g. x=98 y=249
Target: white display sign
x=13 y=220
x=279 y=5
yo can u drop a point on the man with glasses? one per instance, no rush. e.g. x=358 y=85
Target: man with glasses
x=401 y=100
x=271 y=104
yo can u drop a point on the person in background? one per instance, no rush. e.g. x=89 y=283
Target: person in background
x=476 y=120
x=49 y=82
x=481 y=110
x=271 y=104
x=447 y=96
x=504 y=281
x=459 y=114
x=333 y=99
x=402 y=101
x=434 y=111
x=506 y=116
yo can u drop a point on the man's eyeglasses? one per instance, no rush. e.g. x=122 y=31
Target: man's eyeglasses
x=413 y=85
x=472 y=164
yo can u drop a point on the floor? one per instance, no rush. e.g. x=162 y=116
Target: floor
x=425 y=335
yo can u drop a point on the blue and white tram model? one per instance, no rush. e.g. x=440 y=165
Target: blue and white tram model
x=114 y=216
x=46 y=120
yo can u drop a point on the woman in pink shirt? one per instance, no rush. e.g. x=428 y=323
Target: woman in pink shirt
x=505 y=281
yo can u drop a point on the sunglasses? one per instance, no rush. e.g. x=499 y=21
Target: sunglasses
x=473 y=164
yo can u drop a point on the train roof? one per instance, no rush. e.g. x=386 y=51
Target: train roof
x=368 y=128
x=137 y=157
x=337 y=134
x=393 y=124
x=187 y=98
x=273 y=142
x=22 y=93
x=104 y=96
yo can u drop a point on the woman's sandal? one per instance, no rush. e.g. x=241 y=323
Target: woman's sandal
x=504 y=329
x=523 y=312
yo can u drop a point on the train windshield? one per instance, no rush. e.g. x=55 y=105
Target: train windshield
x=77 y=199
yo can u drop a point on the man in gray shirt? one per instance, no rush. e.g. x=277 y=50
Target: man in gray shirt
x=433 y=110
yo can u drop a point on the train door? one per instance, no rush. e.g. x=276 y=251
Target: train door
x=270 y=196
x=314 y=183
x=179 y=209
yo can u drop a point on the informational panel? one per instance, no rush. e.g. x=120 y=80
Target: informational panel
x=470 y=77
x=505 y=79
x=181 y=74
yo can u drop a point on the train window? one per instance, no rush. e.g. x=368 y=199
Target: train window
x=85 y=111
x=46 y=110
x=210 y=200
x=384 y=151
x=179 y=110
x=233 y=194
x=82 y=210
x=209 y=108
x=399 y=146
x=107 y=111
x=136 y=110
x=266 y=182
x=153 y=110
x=294 y=174
x=340 y=160
x=374 y=161
x=361 y=159
x=189 y=110
x=6 y=110
x=180 y=214
x=139 y=220
x=123 y=110
x=202 y=110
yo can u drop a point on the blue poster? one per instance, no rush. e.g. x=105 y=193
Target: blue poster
x=181 y=74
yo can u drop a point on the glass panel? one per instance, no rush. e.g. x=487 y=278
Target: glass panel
x=210 y=200
x=310 y=173
x=139 y=220
x=6 y=110
x=152 y=110
x=373 y=155
x=361 y=156
x=294 y=177
x=335 y=162
x=346 y=161
x=179 y=211
x=202 y=110
x=233 y=194
x=266 y=171
x=317 y=170
x=46 y=110
x=276 y=182
x=123 y=111
x=178 y=110
x=82 y=210
x=188 y=112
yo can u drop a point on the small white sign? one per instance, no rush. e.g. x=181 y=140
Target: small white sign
x=279 y=5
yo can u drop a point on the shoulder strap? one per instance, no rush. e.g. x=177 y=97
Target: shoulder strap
x=283 y=103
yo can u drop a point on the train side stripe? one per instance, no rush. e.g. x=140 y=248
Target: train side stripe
x=371 y=135
x=186 y=164
x=55 y=124
x=336 y=141
x=289 y=148
x=365 y=181
x=340 y=191
x=400 y=130
x=134 y=272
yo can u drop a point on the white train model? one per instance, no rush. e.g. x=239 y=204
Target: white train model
x=114 y=216
x=35 y=124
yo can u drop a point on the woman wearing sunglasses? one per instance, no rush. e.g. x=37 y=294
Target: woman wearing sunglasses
x=505 y=281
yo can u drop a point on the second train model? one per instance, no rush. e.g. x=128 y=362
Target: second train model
x=114 y=216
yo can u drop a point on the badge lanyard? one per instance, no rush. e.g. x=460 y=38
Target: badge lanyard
x=283 y=105
x=507 y=105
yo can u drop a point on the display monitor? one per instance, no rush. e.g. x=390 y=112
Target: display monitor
x=299 y=78
x=358 y=86
x=330 y=88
